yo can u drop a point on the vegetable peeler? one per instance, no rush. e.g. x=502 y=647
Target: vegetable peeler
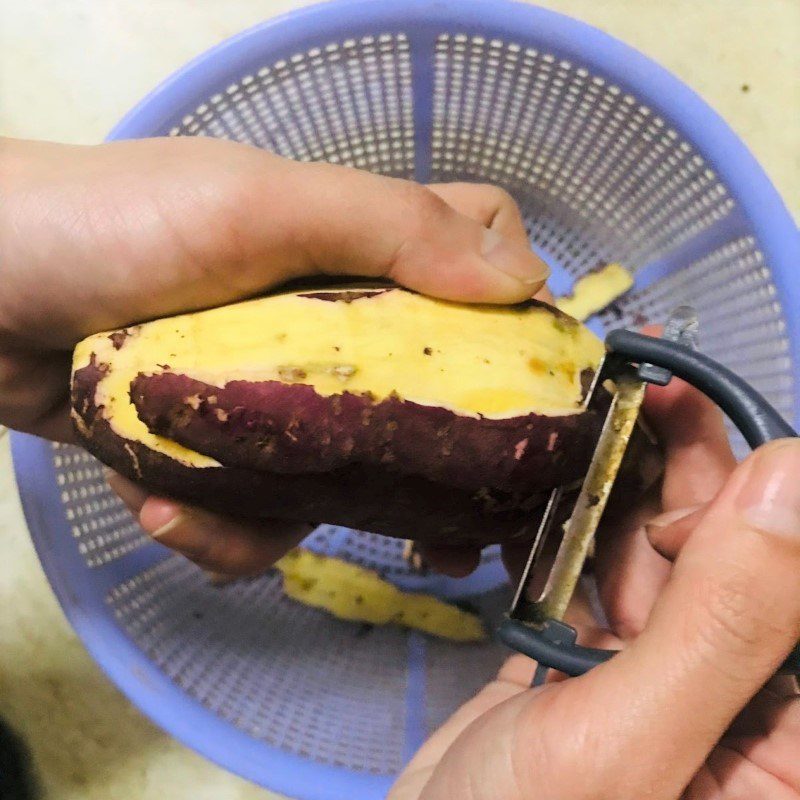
x=534 y=625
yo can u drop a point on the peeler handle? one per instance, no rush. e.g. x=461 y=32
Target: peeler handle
x=554 y=643
x=749 y=411
x=755 y=418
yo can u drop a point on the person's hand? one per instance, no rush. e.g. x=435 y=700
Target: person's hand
x=688 y=709
x=93 y=238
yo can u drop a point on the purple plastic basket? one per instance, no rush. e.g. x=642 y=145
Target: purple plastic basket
x=610 y=158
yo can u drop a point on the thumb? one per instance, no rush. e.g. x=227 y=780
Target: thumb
x=726 y=621
x=170 y=225
x=342 y=221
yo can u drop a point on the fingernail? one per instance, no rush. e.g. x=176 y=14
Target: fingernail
x=770 y=497
x=669 y=517
x=164 y=531
x=512 y=259
x=180 y=534
x=175 y=533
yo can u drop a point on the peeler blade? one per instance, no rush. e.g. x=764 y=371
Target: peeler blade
x=592 y=499
x=629 y=385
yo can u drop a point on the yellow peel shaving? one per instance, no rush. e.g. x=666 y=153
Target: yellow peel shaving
x=354 y=593
x=596 y=290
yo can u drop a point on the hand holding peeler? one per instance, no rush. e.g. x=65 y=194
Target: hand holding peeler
x=534 y=625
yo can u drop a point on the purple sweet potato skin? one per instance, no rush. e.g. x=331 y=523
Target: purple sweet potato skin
x=271 y=426
x=356 y=496
x=490 y=489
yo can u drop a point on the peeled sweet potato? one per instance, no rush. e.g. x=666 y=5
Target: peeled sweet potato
x=375 y=408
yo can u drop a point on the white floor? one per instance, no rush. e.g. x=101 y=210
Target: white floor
x=68 y=70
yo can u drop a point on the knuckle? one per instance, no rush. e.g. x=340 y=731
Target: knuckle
x=496 y=200
x=628 y=623
x=240 y=189
x=499 y=197
x=423 y=210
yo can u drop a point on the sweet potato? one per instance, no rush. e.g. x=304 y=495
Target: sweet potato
x=375 y=408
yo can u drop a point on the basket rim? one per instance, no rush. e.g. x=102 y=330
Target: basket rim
x=151 y=690
x=776 y=232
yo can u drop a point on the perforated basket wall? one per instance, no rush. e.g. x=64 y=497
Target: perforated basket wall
x=610 y=159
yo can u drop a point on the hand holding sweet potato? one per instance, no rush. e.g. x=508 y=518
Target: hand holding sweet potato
x=97 y=238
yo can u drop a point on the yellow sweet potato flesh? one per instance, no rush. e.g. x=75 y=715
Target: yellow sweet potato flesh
x=494 y=362
x=596 y=290
x=354 y=593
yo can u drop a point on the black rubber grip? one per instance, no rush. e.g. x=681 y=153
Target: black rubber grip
x=572 y=659
x=566 y=657
x=757 y=420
